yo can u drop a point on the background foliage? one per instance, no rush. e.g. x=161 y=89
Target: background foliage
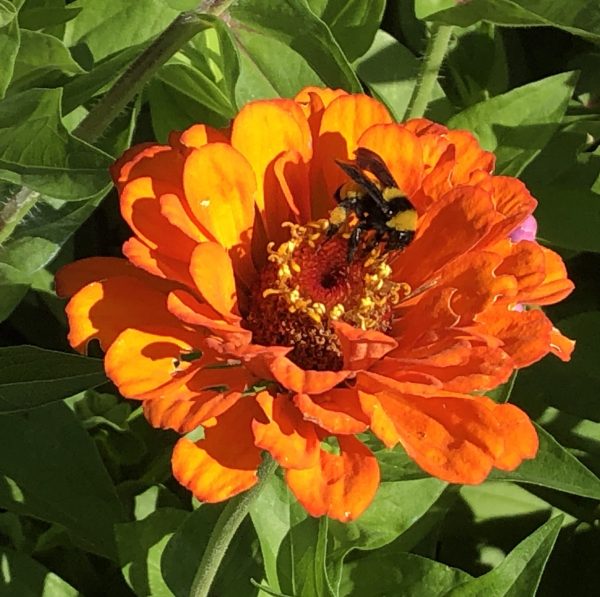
x=87 y=504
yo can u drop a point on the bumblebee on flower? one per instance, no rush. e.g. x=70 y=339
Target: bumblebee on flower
x=364 y=269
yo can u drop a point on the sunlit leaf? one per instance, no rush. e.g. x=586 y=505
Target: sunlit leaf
x=352 y=22
x=516 y=125
x=580 y=17
x=9 y=42
x=37 y=151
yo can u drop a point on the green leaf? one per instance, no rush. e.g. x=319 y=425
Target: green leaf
x=31 y=377
x=107 y=26
x=521 y=570
x=403 y=574
x=352 y=22
x=141 y=544
x=390 y=70
x=556 y=468
x=50 y=469
x=283 y=46
x=41 y=62
x=292 y=543
x=172 y=110
x=9 y=43
x=564 y=180
x=469 y=81
x=23 y=576
x=397 y=506
x=207 y=68
x=517 y=124
x=36 y=150
x=580 y=17
x=181 y=4
x=44 y=17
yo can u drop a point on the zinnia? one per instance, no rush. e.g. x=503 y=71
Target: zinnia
x=235 y=310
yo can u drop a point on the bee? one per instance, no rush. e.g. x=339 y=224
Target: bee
x=379 y=205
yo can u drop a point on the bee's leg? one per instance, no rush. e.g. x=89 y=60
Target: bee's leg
x=354 y=241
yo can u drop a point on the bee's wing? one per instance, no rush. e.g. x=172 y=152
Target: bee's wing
x=368 y=160
x=355 y=173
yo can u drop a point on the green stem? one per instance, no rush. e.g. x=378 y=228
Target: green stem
x=16 y=208
x=178 y=33
x=432 y=61
x=230 y=519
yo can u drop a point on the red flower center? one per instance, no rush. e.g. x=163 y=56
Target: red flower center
x=308 y=284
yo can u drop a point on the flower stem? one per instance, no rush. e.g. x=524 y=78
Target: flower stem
x=230 y=519
x=179 y=32
x=432 y=61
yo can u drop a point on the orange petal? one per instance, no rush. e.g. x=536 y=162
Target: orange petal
x=290 y=439
x=469 y=156
x=406 y=164
x=212 y=272
x=196 y=396
x=189 y=310
x=461 y=218
x=153 y=262
x=224 y=463
x=525 y=335
x=313 y=99
x=478 y=282
x=340 y=486
x=337 y=411
x=451 y=436
x=262 y=131
x=220 y=189
x=271 y=363
x=139 y=361
x=513 y=202
x=362 y=348
x=197 y=136
x=160 y=162
x=560 y=345
x=520 y=437
x=74 y=276
x=141 y=209
x=342 y=124
x=105 y=308
x=555 y=285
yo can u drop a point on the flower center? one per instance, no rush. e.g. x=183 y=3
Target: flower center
x=308 y=284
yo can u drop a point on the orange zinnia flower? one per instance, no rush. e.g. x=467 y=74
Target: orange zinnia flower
x=236 y=310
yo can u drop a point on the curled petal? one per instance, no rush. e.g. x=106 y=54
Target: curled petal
x=362 y=348
x=283 y=432
x=560 y=345
x=340 y=486
x=225 y=462
x=337 y=411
